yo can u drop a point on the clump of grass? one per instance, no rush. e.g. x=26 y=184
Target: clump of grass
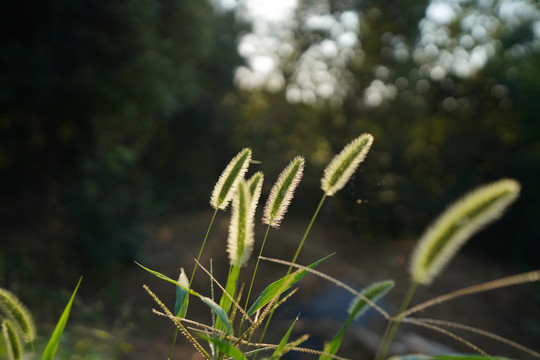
x=223 y=340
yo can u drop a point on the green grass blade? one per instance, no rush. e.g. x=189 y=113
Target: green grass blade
x=279 y=286
x=168 y=279
x=51 y=347
x=182 y=295
x=221 y=314
x=223 y=346
x=281 y=349
x=358 y=307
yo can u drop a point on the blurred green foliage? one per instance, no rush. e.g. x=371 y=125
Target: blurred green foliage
x=115 y=111
x=101 y=104
x=452 y=103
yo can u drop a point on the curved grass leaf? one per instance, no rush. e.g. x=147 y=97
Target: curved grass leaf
x=221 y=314
x=52 y=345
x=182 y=296
x=276 y=288
x=223 y=346
x=281 y=349
x=358 y=307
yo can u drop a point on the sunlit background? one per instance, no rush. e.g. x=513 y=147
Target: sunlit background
x=119 y=115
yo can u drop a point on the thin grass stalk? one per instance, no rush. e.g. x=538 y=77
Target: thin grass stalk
x=254 y=275
x=532 y=276
x=296 y=257
x=315 y=214
x=235 y=303
x=447 y=333
x=334 y=281
x=481 y=332
x=178 y=323
x=175 y=335
x=393 y=325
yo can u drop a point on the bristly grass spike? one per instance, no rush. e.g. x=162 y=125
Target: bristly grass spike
x=228 y=181
x=457 y=224
x=343 y=165
x=282 y=192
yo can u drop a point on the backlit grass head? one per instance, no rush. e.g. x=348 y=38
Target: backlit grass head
x=343 y=165
x=254 y=187
x=19 y=316
x=282 y=192
x=14 y=347
x=241 y=238
x=457 y=224
x=228 y=181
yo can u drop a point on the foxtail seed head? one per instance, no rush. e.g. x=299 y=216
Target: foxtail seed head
x=240 y=240
x=340 y=169
x=254 y=187
x=228 y=181
x=457 y=224
x=282 y=192
x=17 y=313
x=14 y=348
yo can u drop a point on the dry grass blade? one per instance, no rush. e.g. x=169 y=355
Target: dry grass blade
x=532 y=276
x=480 y=332
x=334 y=281
x=178 y=323
x=447 y=333
x=246 y=316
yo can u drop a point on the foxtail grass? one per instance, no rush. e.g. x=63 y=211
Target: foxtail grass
x=342 y=167
x=458 y=224
x=446 y=236
x=282 y=192
x=18 y=314
x=433 y=253
x=14 y=347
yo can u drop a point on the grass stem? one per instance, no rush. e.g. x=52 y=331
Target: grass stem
x=192 y=276
x=393 y=326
